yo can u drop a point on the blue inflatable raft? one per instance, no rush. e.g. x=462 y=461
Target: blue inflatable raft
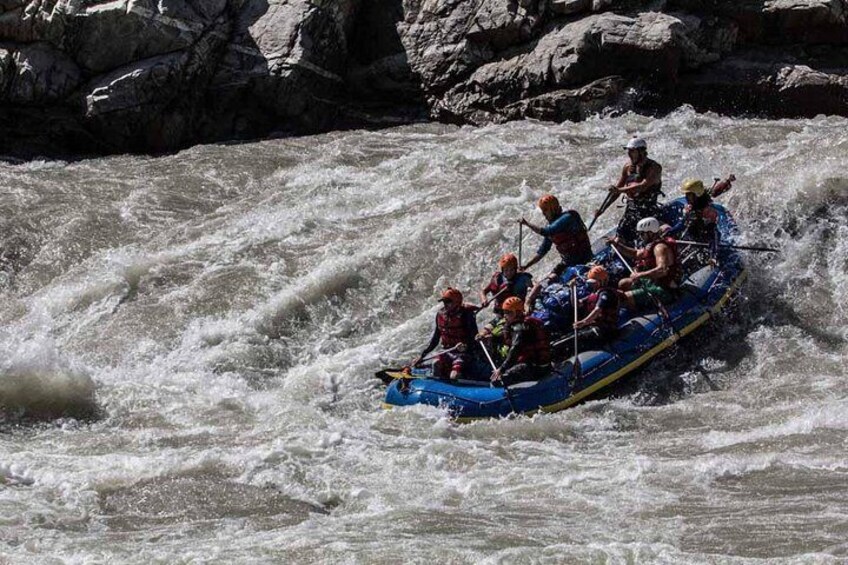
x=703 y=294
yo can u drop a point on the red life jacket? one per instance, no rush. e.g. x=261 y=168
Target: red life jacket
x=535 y=345
x=646 y=260
x=499 y=282
x=456 y=327
x=608 y=318
x=573 y=244
x=702 y=210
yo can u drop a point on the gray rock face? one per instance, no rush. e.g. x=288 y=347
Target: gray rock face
x=36 y=74
x=152 y=75
x=651 y=47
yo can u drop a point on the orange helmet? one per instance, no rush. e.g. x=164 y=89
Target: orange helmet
x=599 y=274
x=508 y=260
x=451 y=295
x=513 y=304
x=549 y=203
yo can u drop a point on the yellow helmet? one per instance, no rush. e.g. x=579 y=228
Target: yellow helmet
x=694 y=186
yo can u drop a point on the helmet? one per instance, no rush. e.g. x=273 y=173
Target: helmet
x=508 y=260
x=651 y=225
x=636 y=143
x=513 y=304
x=451 y=295
x=694 y=186
x=599 y=274
x=550 y=203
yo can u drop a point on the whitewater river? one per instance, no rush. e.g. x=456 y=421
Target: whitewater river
x=187 y=354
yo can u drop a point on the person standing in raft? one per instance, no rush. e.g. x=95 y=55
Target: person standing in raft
x=456 y=328
x=600 y=324
x=641 y=184
x=529 y=354
x=505 y=283
x=567 y=232
x=656 y=278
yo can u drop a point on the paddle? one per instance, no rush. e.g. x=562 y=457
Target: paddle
x=491 y=299
x=728 y=246
x=494 y=368
x=520 y=242
x=611 y=197
x=575 y=373
x=621 y=257
x=388 y=375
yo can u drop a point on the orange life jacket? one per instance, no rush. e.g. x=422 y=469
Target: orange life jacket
x=646 y=260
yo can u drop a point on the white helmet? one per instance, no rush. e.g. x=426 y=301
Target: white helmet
x=636 y=143
x=651 y=225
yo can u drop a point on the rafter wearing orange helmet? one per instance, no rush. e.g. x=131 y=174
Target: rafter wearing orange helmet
x=565 y=230
x=456 y=328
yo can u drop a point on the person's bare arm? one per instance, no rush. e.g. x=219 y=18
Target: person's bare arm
x=664 y=260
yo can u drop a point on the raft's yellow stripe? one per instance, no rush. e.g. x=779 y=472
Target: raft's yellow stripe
x=659 y=348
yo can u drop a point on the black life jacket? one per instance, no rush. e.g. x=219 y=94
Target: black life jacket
x=535 y=344
x=638 y=173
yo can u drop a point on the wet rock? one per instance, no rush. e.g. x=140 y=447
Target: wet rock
x=769 y=83
x=649 y=47
x=37 y=73
x=778 y=22
x=283 y=69
x=109 y=35
x=155 y=75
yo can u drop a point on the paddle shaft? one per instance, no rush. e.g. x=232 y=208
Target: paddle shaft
x=492 y=299
x=434 y=355
x=728 y=246
x=574 y=301
x=488 y=356
x=611 y=196
x=623 y=260
x=494 y=368
x=520 y=243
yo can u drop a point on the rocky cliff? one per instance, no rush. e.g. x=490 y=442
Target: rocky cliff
x=147 y=75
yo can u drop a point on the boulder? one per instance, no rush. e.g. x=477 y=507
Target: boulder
x=778 y=22
x=650 y=48
x=767 y=82
x=37 y=74
x=112 y=34
x=557 y=105
x=283 y=69
x=447 y=40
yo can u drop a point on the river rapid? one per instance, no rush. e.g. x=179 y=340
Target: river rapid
x=187 y=353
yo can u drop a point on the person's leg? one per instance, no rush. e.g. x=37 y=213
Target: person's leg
x=517 y=374
x=459 y=363
x=441 y=366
